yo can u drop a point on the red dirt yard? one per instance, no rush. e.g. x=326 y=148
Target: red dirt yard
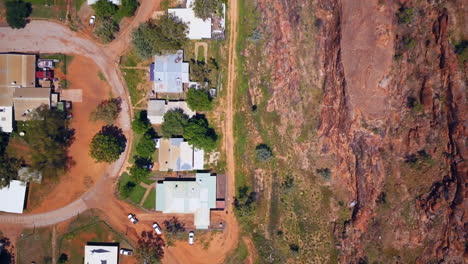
x=82 y=73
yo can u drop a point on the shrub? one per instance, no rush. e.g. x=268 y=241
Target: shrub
x=205 y=9
x=199 y=134
x=141 y=123
x=127 y=8
x=174 y=123
x=325 y=173
x=202 y=72
x=108 y=144
x=107 y=110
x=106 y=29
x=165 y=34
x=294 y=247
x=244 y=201
x=146 y=146
x=104 y=9
x=174 y=226
x=263 y=152
x=198 y=100
x=404 y=15
x=17 y=13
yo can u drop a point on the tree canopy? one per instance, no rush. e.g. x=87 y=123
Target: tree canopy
x=48 y=137
x=150 y=248
x=198 y=133
x=104 y=8
x=205 y=9
x=141 y=123
x=107 y=111
x=198 y=100
x=108 y=144
x=167 y=33
x=204 y=72
x=146 y=146
x=174 y=123
x=17 y=12
x=127 y=8
x=106 y=28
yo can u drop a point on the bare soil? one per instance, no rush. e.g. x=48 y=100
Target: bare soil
x=82 y=74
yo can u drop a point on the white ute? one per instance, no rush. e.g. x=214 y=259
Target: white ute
x=132 y=218
x=126 y=252
x=191 y=237
x=92 y=20
x=156 y=228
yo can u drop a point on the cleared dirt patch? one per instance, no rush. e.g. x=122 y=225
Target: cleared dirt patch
x=82 y=75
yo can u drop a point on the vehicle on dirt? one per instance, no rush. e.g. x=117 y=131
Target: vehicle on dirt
x=191 y=237
x=68 y=104
x=126 y=252
x=92 y=20
x=132 y=218
x=156 y=228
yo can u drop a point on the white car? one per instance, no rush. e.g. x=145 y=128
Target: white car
x=132 y=218
x=92 y=20
x=157 y=229
x=126 y=252
x=191 y=237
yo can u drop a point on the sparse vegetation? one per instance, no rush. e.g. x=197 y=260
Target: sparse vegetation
x=165 y=34
x=108 y=144
x=244 y=201
x=106 y=29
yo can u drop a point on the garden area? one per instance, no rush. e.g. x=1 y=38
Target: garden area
x=87 y=227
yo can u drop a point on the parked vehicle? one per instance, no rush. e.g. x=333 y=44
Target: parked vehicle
x=148 y=166
x=92 y=20
x=126 y=252
x=191 y=237
x=132 y=218
x=157 y=229
x=68 y=104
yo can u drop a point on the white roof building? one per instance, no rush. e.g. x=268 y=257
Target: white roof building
x=101 y=254
x=175 y=154
x=187 y=197
x=169 y=72
x=6 y=119
x=198 y=28
x=115 y=2
x=12 y=198
x=157 y=109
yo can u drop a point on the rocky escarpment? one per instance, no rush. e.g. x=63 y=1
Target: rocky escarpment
x=371 y=93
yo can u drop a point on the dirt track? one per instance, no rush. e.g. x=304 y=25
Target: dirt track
x=50 y=37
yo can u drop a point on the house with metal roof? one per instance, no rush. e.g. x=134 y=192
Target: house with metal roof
x=115 y=2
x=197 y=27
x=176 y=154
x=26 y=100
x=12 y=197
x=169 y=73
x=17 y=70
x=101 y=253
x=189 y=196
x=157 y=109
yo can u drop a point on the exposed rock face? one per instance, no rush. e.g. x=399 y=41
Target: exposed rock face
x=393 y=117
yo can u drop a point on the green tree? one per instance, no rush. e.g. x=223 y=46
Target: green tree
x=198 y=133
x=108 y=144
x=205 y=9
x=146 y=146
x=263 y=152
x=150 y=247
x=107 y=110
x=137 y=173
x=174 y=123
x=204 y=72
x=141 y=123
x=8 y=169
x=106 y=29
x=127 y=8
x=49 y=136
x=244 y=202
x=104 y=9
x=198 y=100
x=125 y=188
x=165 y=34
x=17 y=12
